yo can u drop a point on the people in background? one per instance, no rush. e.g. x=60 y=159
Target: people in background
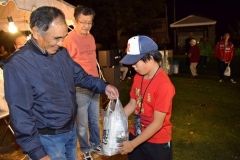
x=186 y=49
x=3 y=103
x=81 y=46
x=124 y=70
x=3 y=54
x=40 y=82
x=194 y=56
x=151 y=98
x=224 y=52
x=206 y=50
x=19 y=40
x=187 y=43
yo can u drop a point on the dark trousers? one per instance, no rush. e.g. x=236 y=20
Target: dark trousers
x=151 y=151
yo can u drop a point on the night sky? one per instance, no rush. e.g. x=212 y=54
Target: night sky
x=226 y=12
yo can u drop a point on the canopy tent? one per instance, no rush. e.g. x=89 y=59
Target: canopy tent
x=193 y=20
x=199 y=26
x=20 y=11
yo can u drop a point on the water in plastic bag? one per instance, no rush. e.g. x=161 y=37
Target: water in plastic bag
x=115 y=128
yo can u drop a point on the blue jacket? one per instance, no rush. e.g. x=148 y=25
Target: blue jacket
x=40 y=91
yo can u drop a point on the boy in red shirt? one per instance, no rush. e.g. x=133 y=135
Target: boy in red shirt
x=151 y=102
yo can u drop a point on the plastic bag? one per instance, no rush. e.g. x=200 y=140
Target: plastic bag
x=115 y=128
x=227 y=71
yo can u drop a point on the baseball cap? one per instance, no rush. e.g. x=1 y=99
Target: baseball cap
x=137 y=48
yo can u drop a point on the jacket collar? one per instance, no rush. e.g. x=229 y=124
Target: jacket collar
x=42 y=51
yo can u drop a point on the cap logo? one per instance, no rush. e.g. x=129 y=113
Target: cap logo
x=133 y=47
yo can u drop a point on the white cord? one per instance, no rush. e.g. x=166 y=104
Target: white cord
x=24 y=157
x=100 y=72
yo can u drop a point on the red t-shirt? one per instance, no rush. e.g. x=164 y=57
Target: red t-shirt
x=158 y=97
x=82 y=49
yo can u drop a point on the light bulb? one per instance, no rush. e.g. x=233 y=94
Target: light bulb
x=12 y=28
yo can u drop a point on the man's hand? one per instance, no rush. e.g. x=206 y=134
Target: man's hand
x=111 y=92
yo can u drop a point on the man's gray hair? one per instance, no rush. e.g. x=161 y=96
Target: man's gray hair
x=42 y=17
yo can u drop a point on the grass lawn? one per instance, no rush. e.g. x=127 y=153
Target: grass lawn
x=206 y=119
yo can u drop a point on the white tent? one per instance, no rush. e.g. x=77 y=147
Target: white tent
x=197 y=25
x=20 y=11
x=193 y=20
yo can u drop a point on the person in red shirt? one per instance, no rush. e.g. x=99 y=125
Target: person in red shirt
x=194 y=56
x=224 y=52
x=151 y=98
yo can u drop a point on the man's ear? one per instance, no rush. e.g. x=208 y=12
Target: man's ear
x=35 y=33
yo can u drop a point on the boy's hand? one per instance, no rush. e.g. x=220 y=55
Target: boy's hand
x=126 y=147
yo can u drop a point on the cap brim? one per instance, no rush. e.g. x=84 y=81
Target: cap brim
x=130 y=59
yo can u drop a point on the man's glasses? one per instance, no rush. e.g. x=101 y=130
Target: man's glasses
x=86 y=23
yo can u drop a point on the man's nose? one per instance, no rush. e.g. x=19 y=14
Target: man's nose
x=60 y=42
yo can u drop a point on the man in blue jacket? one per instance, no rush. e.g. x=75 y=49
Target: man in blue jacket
x=40 y=82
